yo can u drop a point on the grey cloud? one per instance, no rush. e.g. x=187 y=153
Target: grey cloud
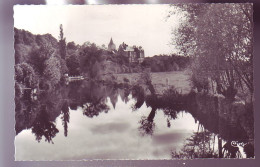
x=168 y=138
x=110 y=128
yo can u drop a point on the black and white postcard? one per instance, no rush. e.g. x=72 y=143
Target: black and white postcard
x=134 y=82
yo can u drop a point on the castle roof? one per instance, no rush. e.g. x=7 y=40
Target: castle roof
x=111 y=42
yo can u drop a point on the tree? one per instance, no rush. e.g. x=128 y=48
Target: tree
x=89 y=55
x=71 y=46
x=62 y=44
x=52 y=70
x=25 y=74
x=219 y=39
x=22 y=53
x=103 y=46
x=39 y=56
x=73 y=64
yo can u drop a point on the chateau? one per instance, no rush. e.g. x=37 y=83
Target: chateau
x=135 y=54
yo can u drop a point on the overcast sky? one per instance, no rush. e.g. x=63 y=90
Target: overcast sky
x=142 y=25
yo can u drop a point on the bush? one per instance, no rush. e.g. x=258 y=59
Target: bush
x=126 y=80
x=200 y=82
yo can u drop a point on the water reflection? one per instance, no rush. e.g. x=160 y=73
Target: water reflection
x=42 y=126
x=215 y=122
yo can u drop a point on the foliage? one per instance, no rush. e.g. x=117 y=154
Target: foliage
x=23 y=37
x=139 y=95
x=95 y=70
x=40 y=52
x=71 y=46
x=62 y=44
x=18 y=90
x=146 y=126
x=46 y=39
x=199 y=145
x=219 y=38
x=21 y=53
x=25 y=74
x=39 y=56
x=163 y=63
x=89 y=55
x=94 y=107
x=44 y=127
x=126 y=80
x=65 y=117
x=199 y=81
x=64 y=69
x=73 y=64
x=52 y=70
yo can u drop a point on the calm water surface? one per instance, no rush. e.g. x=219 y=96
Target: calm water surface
x=112 y=135
x=89 y=121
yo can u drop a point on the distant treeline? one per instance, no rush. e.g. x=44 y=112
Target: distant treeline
x=41 y=61
x=163 y=63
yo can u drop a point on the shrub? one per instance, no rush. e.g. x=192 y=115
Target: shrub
x=126 y=80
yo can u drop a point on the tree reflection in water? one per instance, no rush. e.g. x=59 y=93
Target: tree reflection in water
x=139 y=96
x=44 y=127
x=93 y=108
x=65 y=117
x=171 y=102
x=221 y=119
x=199 y=145
x=146 y=124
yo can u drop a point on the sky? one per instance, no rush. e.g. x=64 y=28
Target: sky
x=141 y=25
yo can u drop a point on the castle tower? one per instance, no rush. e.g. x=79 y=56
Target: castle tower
x=111 y=45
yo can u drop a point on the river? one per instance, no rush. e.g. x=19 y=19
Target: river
x=88 y=120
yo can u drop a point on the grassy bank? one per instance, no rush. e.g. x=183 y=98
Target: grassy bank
x=161 y=81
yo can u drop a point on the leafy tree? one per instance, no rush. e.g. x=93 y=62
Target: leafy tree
x=22 y=53
x=64 y=69
x=46 y=39
x=62 y=44
x=73 y=64
x=17 y=37
x=89 y=55
x=71 y=46
x=219 y=38
x=52 y=71
x=103 y=46
x=39 y=56
x=25 y=74
x=23 y=37
x=164 y=63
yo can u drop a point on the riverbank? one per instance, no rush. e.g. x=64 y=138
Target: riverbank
x=161 y=81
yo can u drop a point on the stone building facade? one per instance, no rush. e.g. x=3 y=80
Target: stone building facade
x=135 y=54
